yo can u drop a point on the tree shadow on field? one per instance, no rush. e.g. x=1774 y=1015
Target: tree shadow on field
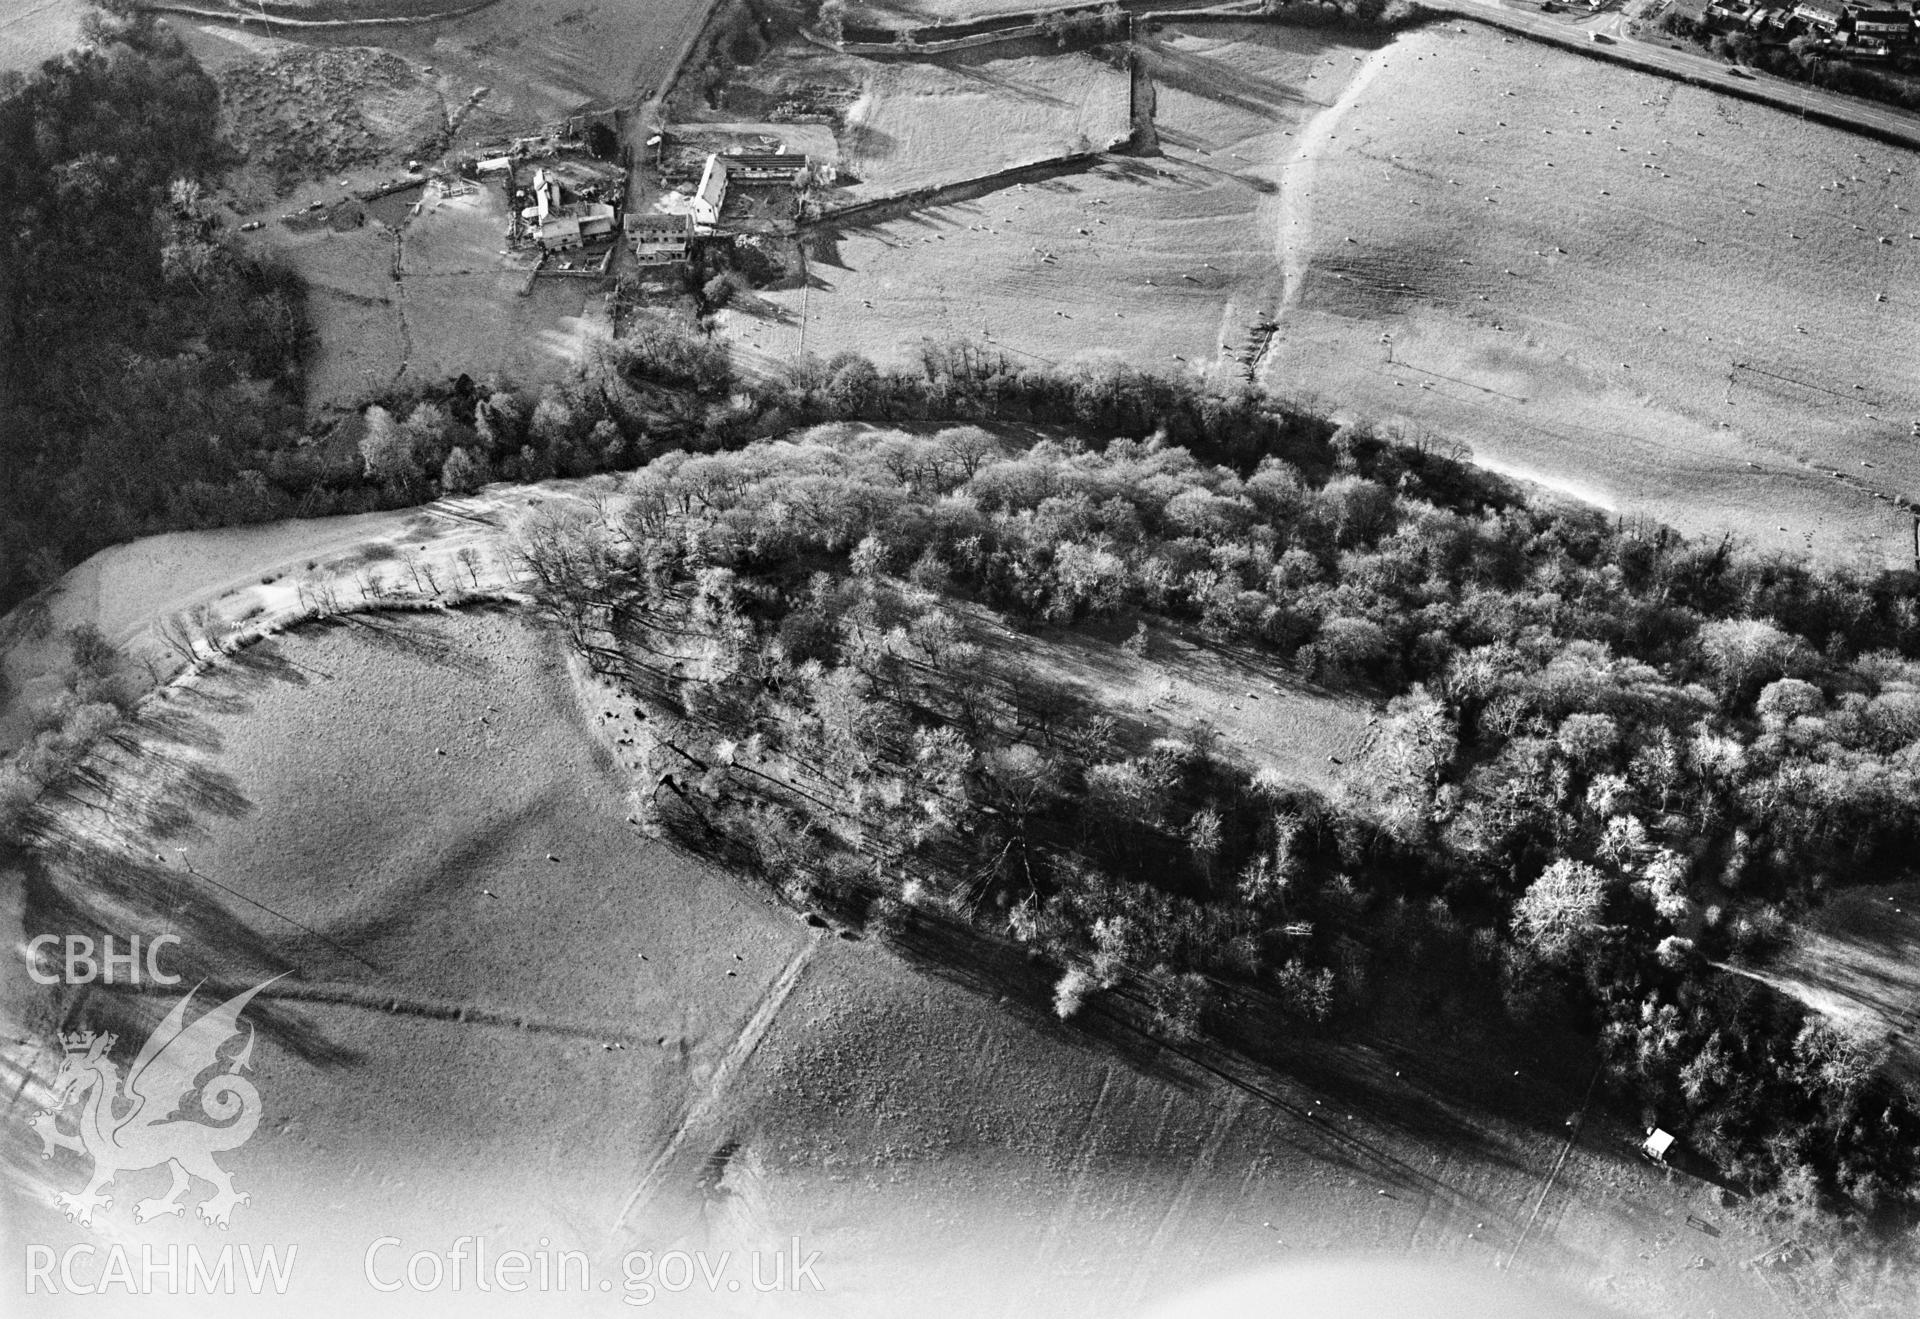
x=267 y=661
x=1022 y=986
x=161 y=776
x=164 y=722
x=823 y=249
x=1142 y=173
x=192 y=791
x=1242 y=1053
x=455 y=872
x=1254 y=1027
x=1215 y=81
x=1192 y=142
x=419 y=638
x=96 y=892
x=976 y=71
x=1884 y=922
x=865 y=142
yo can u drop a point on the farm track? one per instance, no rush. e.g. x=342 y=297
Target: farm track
x=1294 y=236
x=400 y=302
x=249 y=18
x=881 y=209
x=375 y=999
x=713 y=1096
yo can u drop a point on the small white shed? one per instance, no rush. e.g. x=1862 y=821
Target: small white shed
x=1657 y=1144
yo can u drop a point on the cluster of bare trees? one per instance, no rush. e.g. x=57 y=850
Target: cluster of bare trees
x=194 y=634
x=95 y=697
x=1612 y=757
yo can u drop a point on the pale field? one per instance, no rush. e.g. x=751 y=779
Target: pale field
x=1857 y=960
x=1156 y=261
x=430 y=815
x=430 y=837
x=918 y=13
x=259 y=579
x=1248 y=709
x=1344 y=193
x=538 y=59
x=1570 y=258
x=917 y=125
x=33 y=31
x=456 y=308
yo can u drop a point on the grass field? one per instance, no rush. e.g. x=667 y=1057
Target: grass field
x=1858 y=961
x=536 y=59
x=917 y=125
x=1639 y=294
x=1668 y=301
x=914 y=124
x=342 y=114
x=302 y=113
x=456 y=306
x=429 y=1064
x=1155 y=261
x=509 y=1015
x=263 y=578
x=1185 y=686
x=916 y=13
x=32 y=31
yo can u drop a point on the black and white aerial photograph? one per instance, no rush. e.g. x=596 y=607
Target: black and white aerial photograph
x=849 y=659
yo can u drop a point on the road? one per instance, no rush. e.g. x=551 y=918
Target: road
x=1688 y=64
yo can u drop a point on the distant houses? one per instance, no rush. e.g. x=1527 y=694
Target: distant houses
x=1841 y=26
x=1891 y=26
x=1821 y=15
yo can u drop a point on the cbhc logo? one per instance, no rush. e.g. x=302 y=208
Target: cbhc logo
x=79 y=965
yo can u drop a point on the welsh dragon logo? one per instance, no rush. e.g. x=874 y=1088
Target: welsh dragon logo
x=131 y=1125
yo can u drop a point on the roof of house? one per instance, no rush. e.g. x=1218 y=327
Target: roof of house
x=713 y=183
x=678 y=225
x=1898 y=17
x=765 y=160
x=1831 y=10
x=1658 y=1143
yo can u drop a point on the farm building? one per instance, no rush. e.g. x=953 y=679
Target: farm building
x=1824 y=15
x=765 y=167
x=659 y=239
x=1657 y=1144
x=558 y=225
x=710 y=198
x=1885 y=25
x=711 y=195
